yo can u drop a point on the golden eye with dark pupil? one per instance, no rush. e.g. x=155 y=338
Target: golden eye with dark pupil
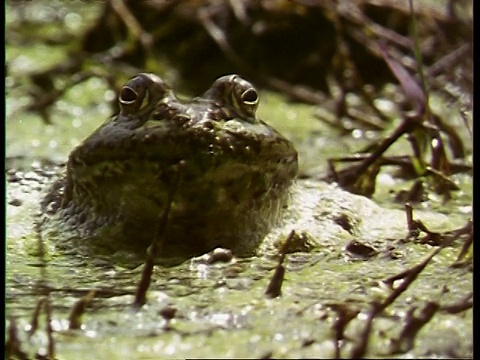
x=250 y=97
x=131 y=100
x=141 y=94
x=246 y=102
x=128 y=95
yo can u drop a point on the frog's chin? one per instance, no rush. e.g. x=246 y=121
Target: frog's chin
x=222 y=204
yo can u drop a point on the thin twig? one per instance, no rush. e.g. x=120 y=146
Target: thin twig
x=408 y=277
x=78 y=309
x=132 y=23
x=274 y=288
x=157 y=242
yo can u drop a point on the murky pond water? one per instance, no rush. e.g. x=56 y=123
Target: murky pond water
x=196 y=309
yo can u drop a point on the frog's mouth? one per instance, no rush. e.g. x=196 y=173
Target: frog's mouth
x=107 y=183
x=203 y=144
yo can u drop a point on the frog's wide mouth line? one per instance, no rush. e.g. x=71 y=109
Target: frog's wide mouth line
x=161 y=143
x=150 y=176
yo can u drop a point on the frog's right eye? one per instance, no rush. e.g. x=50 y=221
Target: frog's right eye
x=142 y=93
x=132 y=95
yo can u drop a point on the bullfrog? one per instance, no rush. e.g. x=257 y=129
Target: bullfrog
x=223 y=173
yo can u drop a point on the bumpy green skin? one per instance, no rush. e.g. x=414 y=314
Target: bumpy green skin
x=233 y=183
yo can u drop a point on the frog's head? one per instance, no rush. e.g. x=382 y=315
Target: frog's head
x=235 y=178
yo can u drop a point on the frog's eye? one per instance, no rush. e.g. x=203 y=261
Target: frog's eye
x=250 y=97
x=245 y=98
x=132 y=95
x=235 y=95
x=141 y=93
x=128 y=96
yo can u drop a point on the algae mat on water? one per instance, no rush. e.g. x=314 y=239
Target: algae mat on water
x=336 y=276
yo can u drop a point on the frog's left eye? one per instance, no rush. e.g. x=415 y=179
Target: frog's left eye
x=245 y=99
x=250 y=97
x=235 y=95
x=128 y=96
